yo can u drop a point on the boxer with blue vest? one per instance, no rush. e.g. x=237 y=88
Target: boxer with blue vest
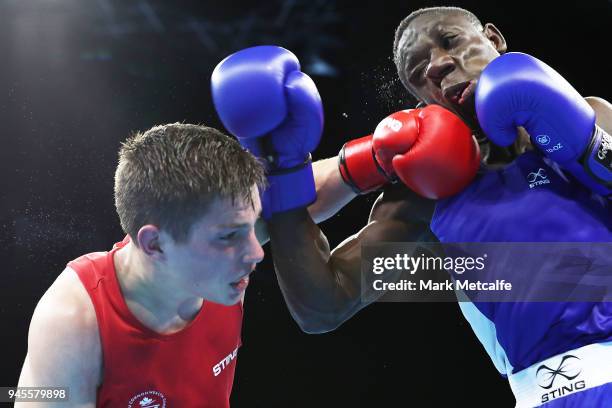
x=541 y=146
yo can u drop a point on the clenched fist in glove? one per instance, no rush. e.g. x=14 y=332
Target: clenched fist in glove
x=275 y=111
x=429 y=149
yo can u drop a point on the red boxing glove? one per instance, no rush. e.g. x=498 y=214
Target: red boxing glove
x=430 y=150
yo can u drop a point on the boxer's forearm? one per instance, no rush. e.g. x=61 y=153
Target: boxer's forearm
x=332 y=192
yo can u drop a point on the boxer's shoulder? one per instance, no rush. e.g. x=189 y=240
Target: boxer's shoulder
x=603 y=111
x=598 y=103
x=67 y=301
x=64 y=331
x=398 y=202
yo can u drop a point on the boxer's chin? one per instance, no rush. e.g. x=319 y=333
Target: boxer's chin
x=467 y=112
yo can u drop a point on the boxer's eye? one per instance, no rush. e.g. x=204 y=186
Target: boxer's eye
x=448 y=40
x=228 y=236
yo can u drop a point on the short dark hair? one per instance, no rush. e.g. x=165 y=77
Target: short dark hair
x=169 y=175
x=398 y=55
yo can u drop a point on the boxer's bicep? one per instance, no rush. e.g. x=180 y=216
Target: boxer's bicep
x=398 y=215
x=346 y=259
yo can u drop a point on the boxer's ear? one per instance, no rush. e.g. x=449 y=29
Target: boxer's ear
x=148 y=239
x=496 y=37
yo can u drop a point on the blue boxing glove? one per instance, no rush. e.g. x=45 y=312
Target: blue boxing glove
x=517 y=89
x=275 y=111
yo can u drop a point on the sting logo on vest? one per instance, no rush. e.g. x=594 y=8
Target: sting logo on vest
x=220 y=366
x=537 y=178
x=569 y=369
x=148 y=399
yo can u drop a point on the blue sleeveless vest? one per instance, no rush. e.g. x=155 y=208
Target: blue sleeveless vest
x=530 y=200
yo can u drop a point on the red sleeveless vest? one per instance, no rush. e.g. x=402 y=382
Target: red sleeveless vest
x=144 y=369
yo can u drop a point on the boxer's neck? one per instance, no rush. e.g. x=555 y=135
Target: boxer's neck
x=150 y=298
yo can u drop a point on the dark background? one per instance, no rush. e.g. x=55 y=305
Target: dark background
x=77 y=76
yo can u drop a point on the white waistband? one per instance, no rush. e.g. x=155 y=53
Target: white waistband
x=567 y=373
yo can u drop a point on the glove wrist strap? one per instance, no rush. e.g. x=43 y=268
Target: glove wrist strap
x=594 y=168
x=289 y=189
x=359 y=168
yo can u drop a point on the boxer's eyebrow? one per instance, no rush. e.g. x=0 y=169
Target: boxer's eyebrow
x=448 y=29
x=234 y=225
